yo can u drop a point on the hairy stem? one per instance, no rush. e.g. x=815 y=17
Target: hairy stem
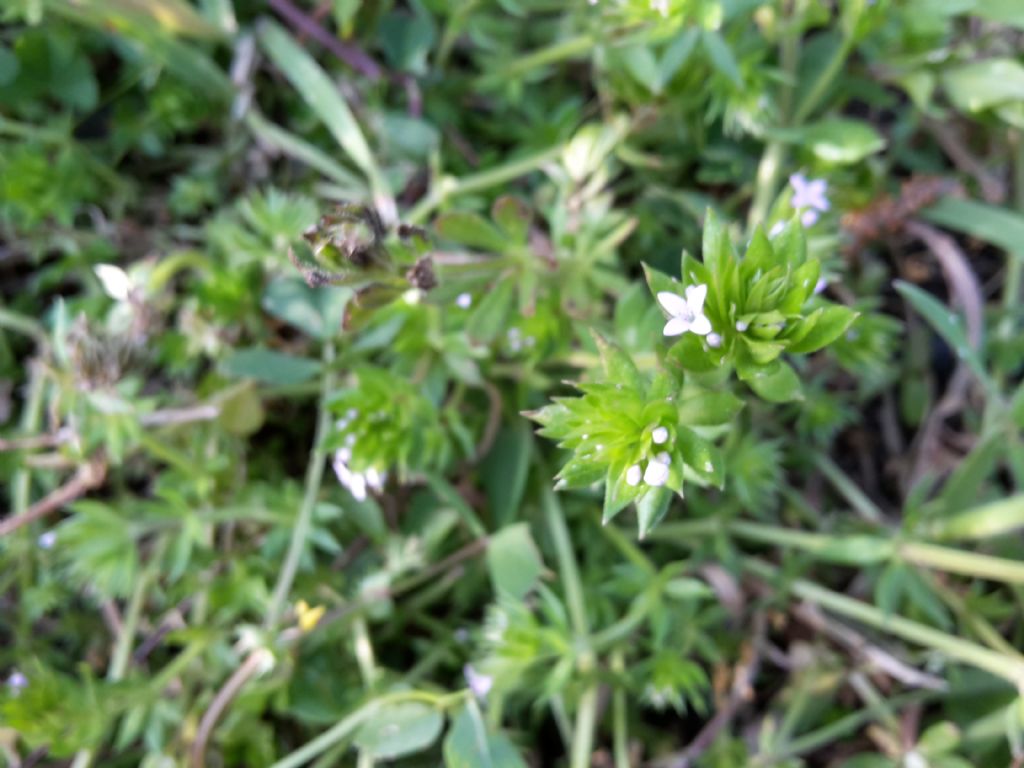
x=314 y=477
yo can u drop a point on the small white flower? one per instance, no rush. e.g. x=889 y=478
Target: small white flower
x=809 y=194
x=913 y=759
x=714 y=340
x=633 y=475
x=821 y=285
x=464 y=300
x=663 y=458
x=661 y=6
x=687 y=314
x=356 y=482
x=777 y=228
x=656 y=473
x=478 y=683
x=741 y=326
x=115 y=281
x=659 y=435
x=47 y=539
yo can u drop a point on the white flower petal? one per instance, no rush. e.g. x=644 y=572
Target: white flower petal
x=656 y=473
x=714 y=340
x=809 y=217
x=695 y=295
x=676 y=326
x=659 y=435
x=673 y=303
x=115 y=281
x=357 y=486
x=700 y=325
x=633 y=475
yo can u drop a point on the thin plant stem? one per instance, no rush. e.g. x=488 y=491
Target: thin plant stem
x=348 y=725
x=620 y=732
x=448 y=187
x=963 y=651
x=314 y=477
x=583 y=729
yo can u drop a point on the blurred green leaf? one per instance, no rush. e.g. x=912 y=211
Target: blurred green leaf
x=513 y=561
x=270 y=367
x=400 y=729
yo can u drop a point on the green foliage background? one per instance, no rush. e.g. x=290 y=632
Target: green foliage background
x=287 y=288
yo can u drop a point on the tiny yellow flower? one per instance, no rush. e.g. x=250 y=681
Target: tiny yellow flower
x=308 y=617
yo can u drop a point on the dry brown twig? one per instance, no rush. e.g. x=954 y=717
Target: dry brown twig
x=89 y=476
x=744 y=675
x=965 y=290
x=252 y=665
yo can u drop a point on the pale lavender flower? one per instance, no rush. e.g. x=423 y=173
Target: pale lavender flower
x=661 y=6
x=47 y=539
x=659 y=435
x=777 y=228
x=480 y=684
x=687 y=314
x=809 y=195
x=16 y=682
x=821 y=285
x=464 y=300
x=714 y=340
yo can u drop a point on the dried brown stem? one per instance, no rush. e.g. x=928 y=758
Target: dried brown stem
x=249 y=668
x=741 y=691
x=89 y=476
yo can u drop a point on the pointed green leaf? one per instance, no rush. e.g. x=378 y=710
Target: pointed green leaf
x=701 y=456
x=471 y=744
x=400 y=729
x=513 y=561
x=651 y=509
x=619 y=367
x=832 y=324
x=472 y=230
x=776 y=382
x=708 y=409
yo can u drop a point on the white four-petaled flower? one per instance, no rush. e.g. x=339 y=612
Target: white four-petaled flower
x=809 y=194
x=687 y=314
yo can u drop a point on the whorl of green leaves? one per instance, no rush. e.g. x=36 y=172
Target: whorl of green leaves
x=386 y=423
x=611 y=428
x=761 y=306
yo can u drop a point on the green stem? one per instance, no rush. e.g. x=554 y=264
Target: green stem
x=620 y=733
x=860 y=502
x=966 y=652
x=583 y=730
x=448 y=187
x=314 y=477
x=813 y=96
x=350 y=724
x=966 y=563
x=566 y=563
x=836 y=731
x=586 y=713
x=126 y=638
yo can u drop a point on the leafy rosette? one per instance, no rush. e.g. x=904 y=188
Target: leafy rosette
x=639 y=435
x=747 y=312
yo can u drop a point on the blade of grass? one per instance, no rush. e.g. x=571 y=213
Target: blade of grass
x=323 y=98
